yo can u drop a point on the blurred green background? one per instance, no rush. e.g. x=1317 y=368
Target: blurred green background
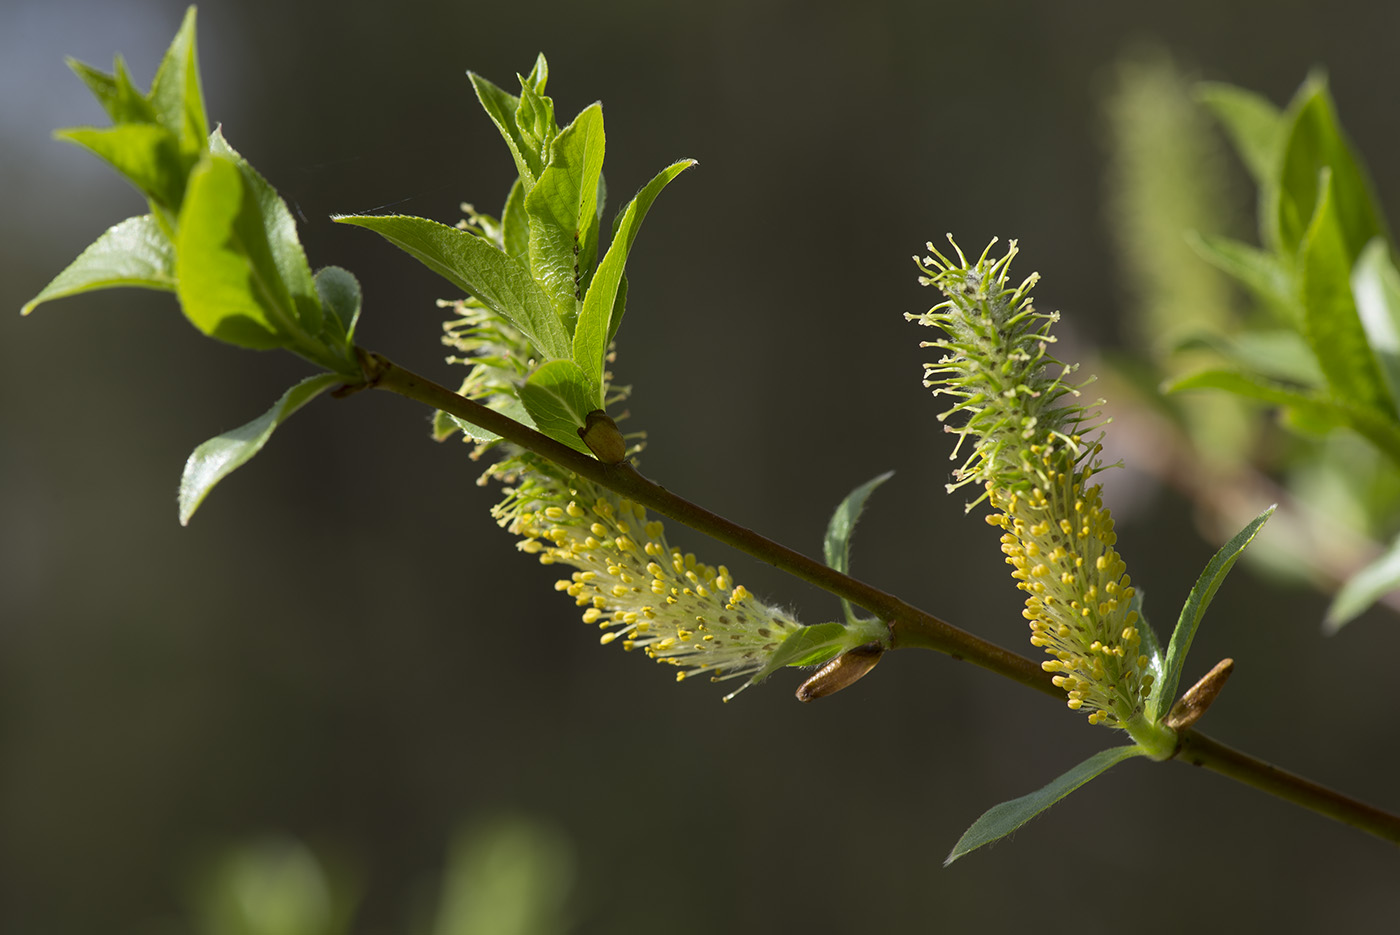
x=343 y=648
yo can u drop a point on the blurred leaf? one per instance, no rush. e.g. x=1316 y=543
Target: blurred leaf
x=135 y=252
x=1330 y=320
x=146 y=154
x=1315 y=143
x=1364 y=588
x=476 y=266
x=594 y=322
x=1258 y=270
x=339 y=292
x=836 y=547
x=1375 y=286
x=559 y=398
x=1164 y=689
x=116 y=92
x=509 y=876
x=1255 y=387
x=1001 y=820
x=223 y=454
x=1254 y=124
x=271 y=887
x=1277 y=354
x=562 y=209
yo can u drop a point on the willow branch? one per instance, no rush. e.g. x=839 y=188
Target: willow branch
x=910 y=627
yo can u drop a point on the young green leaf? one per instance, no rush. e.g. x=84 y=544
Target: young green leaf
x=1260 y=271
x=1375 y=285
x=559 y=399
x=135 y=252
x=500 y=105
x=1315 y=406
x=819 y=643
x=515 y=224
x=275 y=250
x=1254 y=125
x=476 y=266
x=116 y=92
x=176 y=95
x=1364 y=588
x=1275 y=353
x=563 y=216
x=1001 y=820
x=1164 y=689
x=220 y=456
x=146 y=154
x=1330 y=321
x=836 y=547
x=339 y=291
x=534 y=118
x=1315 y=142
x=222 y=290
x=594 y=322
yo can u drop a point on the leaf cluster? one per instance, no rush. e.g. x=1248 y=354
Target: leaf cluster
x=1324 y=344
x=537 y=267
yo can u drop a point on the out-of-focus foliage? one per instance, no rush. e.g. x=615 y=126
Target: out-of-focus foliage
x=1315 y=339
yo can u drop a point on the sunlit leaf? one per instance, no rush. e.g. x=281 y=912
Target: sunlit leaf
x=135 y=252
x=220 y=456
x=1000 y=820
x=1164 y=689
x=836 y=547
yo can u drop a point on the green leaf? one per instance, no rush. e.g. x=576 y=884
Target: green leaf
x=220 y=456
x=1315 y=142
x=1375 y=286
x=515 y=224
x=276 y=250
x=146 y=154
x=135 y=252
x=1364 y=588
x=559 y=399
x=223 y=291
x=836 y=547
x=1277 y=354
x=507 y=406
x=1330 y=321
x=116 y=92
x=1001 y=820
x=1260 y=271
x=563 y=216
x=1151 y=646
x=1254 y=125
x=1251 y=386
x=339 y=292
x=618 y=310
x=814 y=645
x=534 y=117
x=476 y=266
x=595 y=321
x=1164 y=689
x=500 y=105
x=176 y=96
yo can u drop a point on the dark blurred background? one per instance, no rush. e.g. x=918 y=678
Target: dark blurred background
x=342 y=647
